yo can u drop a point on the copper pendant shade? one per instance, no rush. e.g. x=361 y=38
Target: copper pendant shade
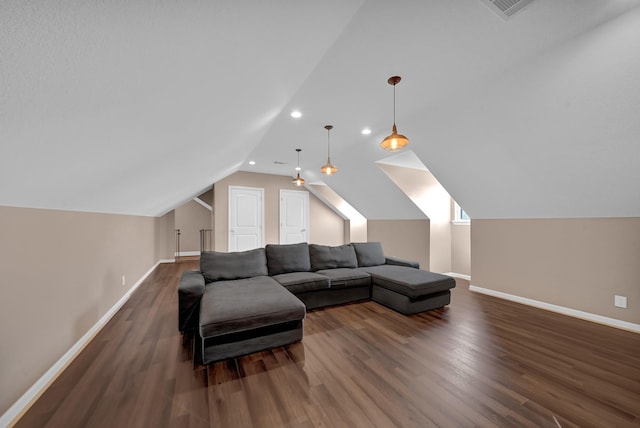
x=298 y=181
x=394 y=142
x=328 y=168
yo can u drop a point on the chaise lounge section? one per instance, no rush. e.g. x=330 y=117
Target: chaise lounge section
x=402 y=285
x=236 y=308
x=248 y=315
x=245 y=302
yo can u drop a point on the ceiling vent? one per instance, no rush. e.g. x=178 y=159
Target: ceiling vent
x=507 y=8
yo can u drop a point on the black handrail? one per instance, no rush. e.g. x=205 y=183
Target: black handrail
x=177 y=254
x=205 y=240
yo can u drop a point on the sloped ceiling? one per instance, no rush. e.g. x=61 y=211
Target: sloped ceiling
x=135 y=107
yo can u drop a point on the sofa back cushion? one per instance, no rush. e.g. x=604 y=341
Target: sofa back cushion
x=287 y=258
x=326 y=257
x=216 y=266
x=369 y=253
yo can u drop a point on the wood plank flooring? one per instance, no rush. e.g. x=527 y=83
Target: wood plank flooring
x=481 y=362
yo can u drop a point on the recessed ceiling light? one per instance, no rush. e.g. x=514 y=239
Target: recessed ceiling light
x=252 y=162
x=296 y=114
x=366 y=131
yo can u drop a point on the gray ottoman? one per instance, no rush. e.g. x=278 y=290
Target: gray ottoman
x=243 y=316
x=409 y=290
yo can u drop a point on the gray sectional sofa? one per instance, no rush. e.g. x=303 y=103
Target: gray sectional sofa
x=244 y=302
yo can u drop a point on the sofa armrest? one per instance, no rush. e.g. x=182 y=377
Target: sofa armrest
x=401 y=262
x=190 y=291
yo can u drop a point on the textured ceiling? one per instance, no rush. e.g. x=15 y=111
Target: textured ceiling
x=135 y=107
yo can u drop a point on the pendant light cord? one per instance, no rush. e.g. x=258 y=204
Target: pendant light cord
x=394 y=104
x=328 y=128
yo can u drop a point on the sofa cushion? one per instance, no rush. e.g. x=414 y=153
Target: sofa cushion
x=326 y=257
x=345 y=278
x=288 y=258
x=390 y=260
x=216 y=266
x=246 y=304
x=408 y=281
x=369 y=253
x=300 y=282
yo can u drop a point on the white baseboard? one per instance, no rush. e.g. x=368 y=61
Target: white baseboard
x=458 y=275
x=612 y=322
x=38 y=388
x=188 y=253
x=167 y=261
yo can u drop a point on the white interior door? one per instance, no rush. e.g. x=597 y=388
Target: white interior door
x=294 y=216
x=246 y=218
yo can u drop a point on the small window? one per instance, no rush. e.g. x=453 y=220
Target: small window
x=460 y=217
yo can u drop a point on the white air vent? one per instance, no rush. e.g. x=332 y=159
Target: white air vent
x=506 y=8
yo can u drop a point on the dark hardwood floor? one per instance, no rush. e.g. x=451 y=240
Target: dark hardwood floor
x=480 y=362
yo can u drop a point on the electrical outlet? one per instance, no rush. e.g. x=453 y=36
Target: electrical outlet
x=620 y=301
x=124 y=281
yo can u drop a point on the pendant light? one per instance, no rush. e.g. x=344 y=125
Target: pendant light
x=298 y=181
x=329 y=168
x=395 y=141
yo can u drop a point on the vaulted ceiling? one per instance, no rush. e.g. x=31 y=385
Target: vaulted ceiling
x=135 y=107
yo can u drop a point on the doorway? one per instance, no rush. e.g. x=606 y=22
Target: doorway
x=294 y=216
x=246 y=218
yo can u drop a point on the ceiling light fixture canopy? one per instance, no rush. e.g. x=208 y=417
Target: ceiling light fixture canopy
x=395 y=141
x=298 y=181
x=328 y=168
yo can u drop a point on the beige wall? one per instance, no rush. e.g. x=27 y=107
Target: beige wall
x=408 y=239
x=461 y=248
x=574 y=263
x=325 y=226
x=190 y=218
x=207 y=196
x=357 y=231
x=434 y=201
x=61 y=272
x=355 y=228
